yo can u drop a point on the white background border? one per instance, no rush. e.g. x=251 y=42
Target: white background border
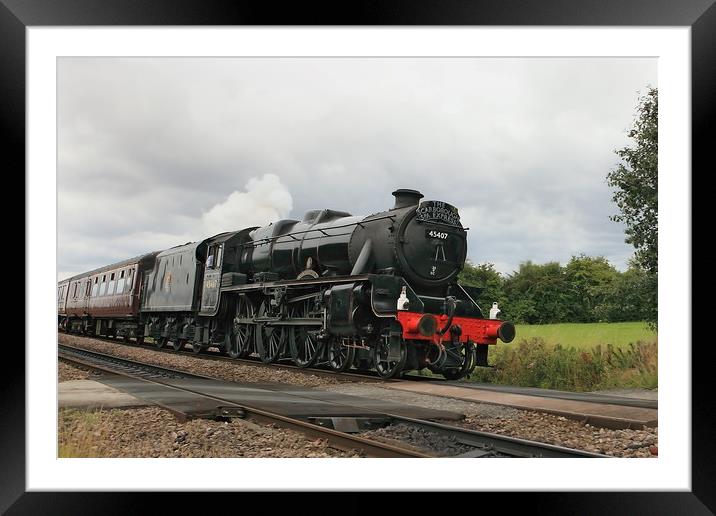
x=672 y=469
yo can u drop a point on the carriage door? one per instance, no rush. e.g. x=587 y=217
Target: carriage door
x=212 y=279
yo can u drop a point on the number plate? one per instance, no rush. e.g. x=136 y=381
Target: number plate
x=437 y=234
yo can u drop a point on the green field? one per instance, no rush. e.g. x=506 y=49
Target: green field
x=586 y=335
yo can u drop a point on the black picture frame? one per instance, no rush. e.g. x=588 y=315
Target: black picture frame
x=16 y=15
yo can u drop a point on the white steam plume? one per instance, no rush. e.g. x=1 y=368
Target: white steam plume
x=265 y=200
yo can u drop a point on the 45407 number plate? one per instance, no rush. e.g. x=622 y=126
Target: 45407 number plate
x=438 y=234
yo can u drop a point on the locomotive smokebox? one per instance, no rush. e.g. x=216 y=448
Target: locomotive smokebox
x=405 y=198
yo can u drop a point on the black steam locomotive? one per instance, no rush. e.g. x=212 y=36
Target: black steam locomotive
x=375 y=292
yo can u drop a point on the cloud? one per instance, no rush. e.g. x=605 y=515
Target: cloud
x=155 y=152
x=265 y=200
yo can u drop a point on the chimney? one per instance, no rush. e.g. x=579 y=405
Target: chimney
x=405 y=198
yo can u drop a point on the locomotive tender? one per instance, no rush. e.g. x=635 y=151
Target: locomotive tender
x=375 y=292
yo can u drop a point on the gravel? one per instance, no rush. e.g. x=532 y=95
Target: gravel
x=524 y=424
x=225 y=370
x=558 y=430
x=536 y=426
x=418 y=438
x=154 y=432
x=66 y=372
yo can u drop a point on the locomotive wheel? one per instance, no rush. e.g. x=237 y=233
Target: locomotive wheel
x=270 y=340
x=178 y=344
x=340 y=357
x=242 y=335
x=140 y=340
x=160 y=342
x=384 y=367
x=196 y=347
x=465 y=355
x=304 y=346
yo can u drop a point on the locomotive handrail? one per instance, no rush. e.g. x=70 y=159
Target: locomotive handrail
x=435 y=223
x=266 y=240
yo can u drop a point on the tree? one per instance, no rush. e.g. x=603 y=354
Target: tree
x=592 y=280
x=485 y=277
x=628 y=297
x=636 y=195
x=538 y=294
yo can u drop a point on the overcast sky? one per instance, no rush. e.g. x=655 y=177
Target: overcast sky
x=158 y=152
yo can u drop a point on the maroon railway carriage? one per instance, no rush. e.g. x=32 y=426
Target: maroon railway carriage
x=62 y=290
x=105 y=299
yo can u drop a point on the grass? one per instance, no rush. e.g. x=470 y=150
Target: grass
x=575 y=357
x=81 y=434
x=586 y=335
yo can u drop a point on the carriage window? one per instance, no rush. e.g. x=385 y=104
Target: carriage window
x=103 y=286
x=95 y=287
x=129 y=280
x=88 y=286
x=110 y=289
x=74 y=292
x=120 y=283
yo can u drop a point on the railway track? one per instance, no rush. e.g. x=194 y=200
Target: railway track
x=223 y=408
x=254 y=361
x=591 y=397
x=199 y=393
x=371 y=376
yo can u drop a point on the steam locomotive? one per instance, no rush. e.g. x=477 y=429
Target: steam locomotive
x=371 y=292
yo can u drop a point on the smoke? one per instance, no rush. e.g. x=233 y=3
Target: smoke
x=265 y=200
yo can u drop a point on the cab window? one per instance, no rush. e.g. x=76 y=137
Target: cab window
x=219 y=256
x=213 y=259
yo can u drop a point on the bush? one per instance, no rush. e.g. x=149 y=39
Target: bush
x=532 y=363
